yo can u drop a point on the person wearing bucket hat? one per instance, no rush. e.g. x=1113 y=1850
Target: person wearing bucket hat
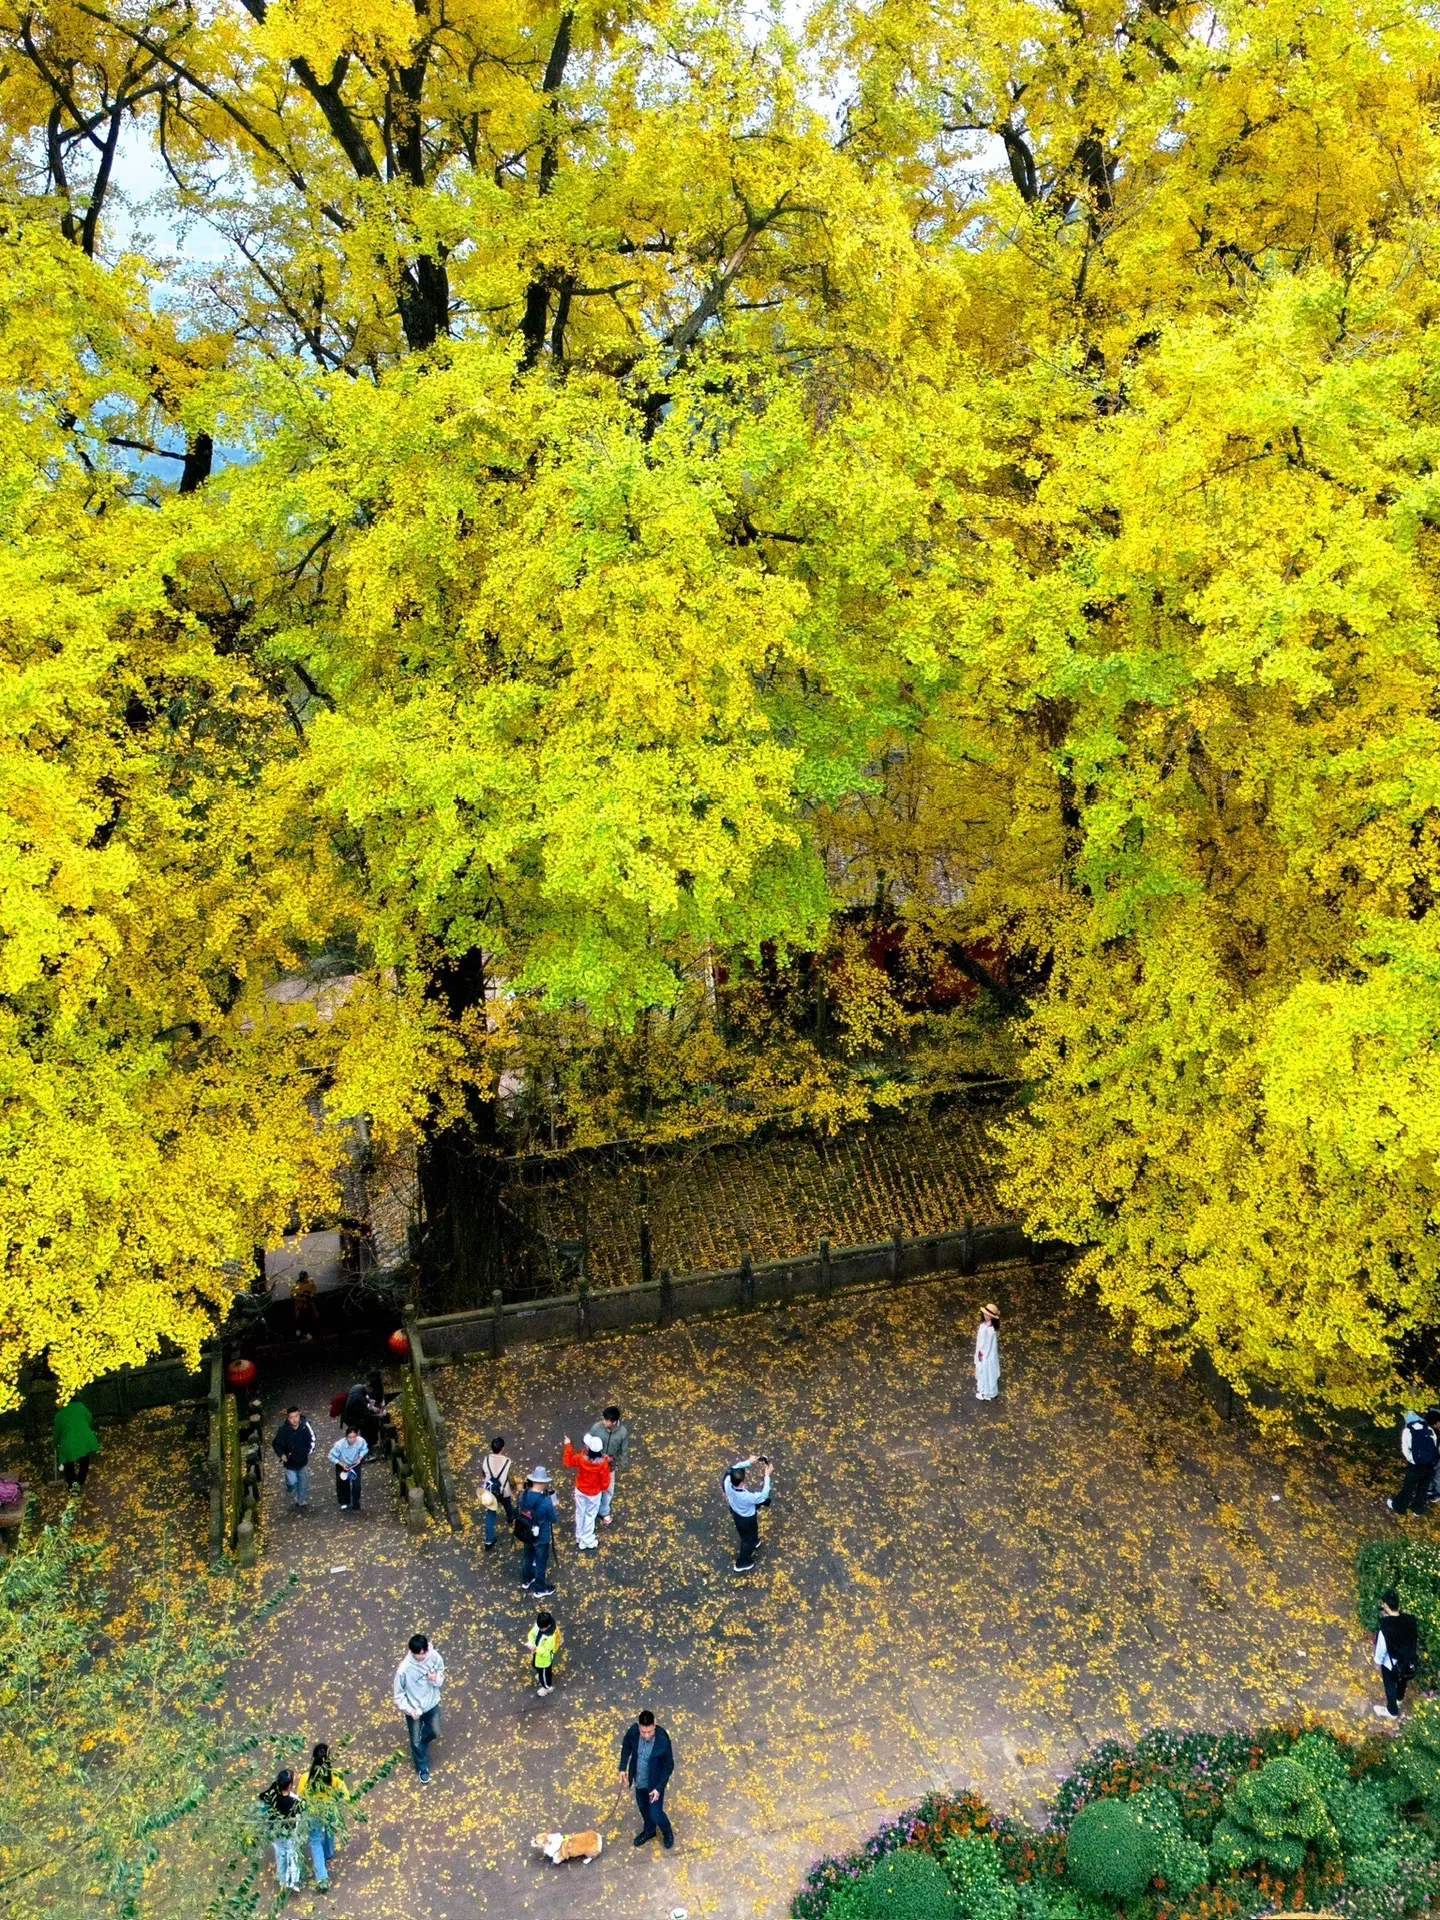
x=592 y=1477
x=535 y=1526
x=987 y=1353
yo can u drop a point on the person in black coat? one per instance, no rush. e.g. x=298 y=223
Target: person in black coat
x=1397 y=1653
x=647 y=1761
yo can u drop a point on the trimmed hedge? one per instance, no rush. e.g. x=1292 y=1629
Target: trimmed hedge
x=1181 y=1826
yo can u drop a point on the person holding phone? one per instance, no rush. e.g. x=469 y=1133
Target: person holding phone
x=745 y=1503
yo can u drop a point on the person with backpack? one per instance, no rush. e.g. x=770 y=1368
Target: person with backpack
x=280 y=1808
x=592 y=1477
x=1397 y=1653
x=543 y=1643
x=321 y=1790
x=495 y=1488
x=1421 y=1451
x=535 y=1528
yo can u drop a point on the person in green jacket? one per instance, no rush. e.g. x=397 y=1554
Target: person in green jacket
x=75 y=1441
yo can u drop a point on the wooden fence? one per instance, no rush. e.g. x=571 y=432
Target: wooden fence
x=817 y=1276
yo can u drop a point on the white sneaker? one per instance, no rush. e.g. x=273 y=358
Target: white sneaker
x=1384 y=1712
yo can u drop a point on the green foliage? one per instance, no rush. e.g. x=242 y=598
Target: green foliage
x=1412 y=1567
x=1183 y=1863
x=1112 y=1853
x=1413 y=1771
x=1273 y=1817
x=909 y=1886
x=982 y=1892
x=108 y=1738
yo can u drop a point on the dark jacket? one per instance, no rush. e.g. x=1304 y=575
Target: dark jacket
x=662 y=1761
x=1402 y=1640
x=538 y=1509
x=362 y=1413
x=294 y=1444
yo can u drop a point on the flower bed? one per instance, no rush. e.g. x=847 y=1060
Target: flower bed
x=1181 y=1826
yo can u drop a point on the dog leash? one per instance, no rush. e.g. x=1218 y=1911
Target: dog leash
x=614 y=1804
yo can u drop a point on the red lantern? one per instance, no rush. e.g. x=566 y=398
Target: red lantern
x=240 y=1373
x=399 y=1343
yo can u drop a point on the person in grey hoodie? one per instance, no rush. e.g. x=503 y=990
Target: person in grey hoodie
x=418 y=1680
x=616 y=1435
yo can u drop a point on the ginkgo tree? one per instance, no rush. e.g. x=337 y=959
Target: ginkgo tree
x=687 y=472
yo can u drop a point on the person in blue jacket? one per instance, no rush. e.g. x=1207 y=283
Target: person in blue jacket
x=647 y=1761
x=535 y=1523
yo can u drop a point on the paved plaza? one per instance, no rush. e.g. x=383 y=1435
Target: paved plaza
x=949 y=1594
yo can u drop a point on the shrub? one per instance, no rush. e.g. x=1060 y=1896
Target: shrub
x=1111 y=1853
x=1412 y=1771
x=1183 y=1863
x=972 y=1862
x=1412 y=1567
x=909 y=1886
x=1273 y=1818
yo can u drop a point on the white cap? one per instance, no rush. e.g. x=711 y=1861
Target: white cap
x=594 y=1443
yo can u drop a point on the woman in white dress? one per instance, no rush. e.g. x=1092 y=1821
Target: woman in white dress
x=987 y=1354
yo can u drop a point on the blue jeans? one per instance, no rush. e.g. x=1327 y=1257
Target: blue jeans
x=287 y=1866
x=653 y=1814
x=537 y=1552
x=297 y=1479
x=608 y=1495
x=322 y=1848
x=422 y=1730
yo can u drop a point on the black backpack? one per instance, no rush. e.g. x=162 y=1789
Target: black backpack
x=1424 y=1447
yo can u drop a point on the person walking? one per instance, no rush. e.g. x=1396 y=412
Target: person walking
x=1420 y=1450
x=294 y=1443
x=745 y=1503
x=592 y=1477
x=76 y=1442
x=543 y=1643
x=616 y=1436
x=535 y=1525
x=304 y=1306
x=348 y=1457
x=281 y=1809
x=1397 y=1653
x=647 y=1761
x=495 y=1481
x=321 y=1790
x=418 y=1680
x=987 y=1354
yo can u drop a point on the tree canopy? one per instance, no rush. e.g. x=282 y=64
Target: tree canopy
x=738 y=527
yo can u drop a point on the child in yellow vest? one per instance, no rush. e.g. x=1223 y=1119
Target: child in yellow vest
x=543 y=1643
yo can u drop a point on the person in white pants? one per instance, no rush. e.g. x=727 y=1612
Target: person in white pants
x=592 y=1477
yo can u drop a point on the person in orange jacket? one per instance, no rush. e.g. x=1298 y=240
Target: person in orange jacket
x=592 y=1477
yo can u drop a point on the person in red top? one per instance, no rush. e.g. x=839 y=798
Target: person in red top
x=592 y=1477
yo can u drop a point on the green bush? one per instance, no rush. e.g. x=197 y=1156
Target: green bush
x=1273 y=1818
x=1412 y=1567
x=1111 y=1853
x=972 y=1862
x=1412 y=1771
x=908 y=1886
x=1183 y=1863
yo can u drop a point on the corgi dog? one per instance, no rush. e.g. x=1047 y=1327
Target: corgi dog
x=568 y=1846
